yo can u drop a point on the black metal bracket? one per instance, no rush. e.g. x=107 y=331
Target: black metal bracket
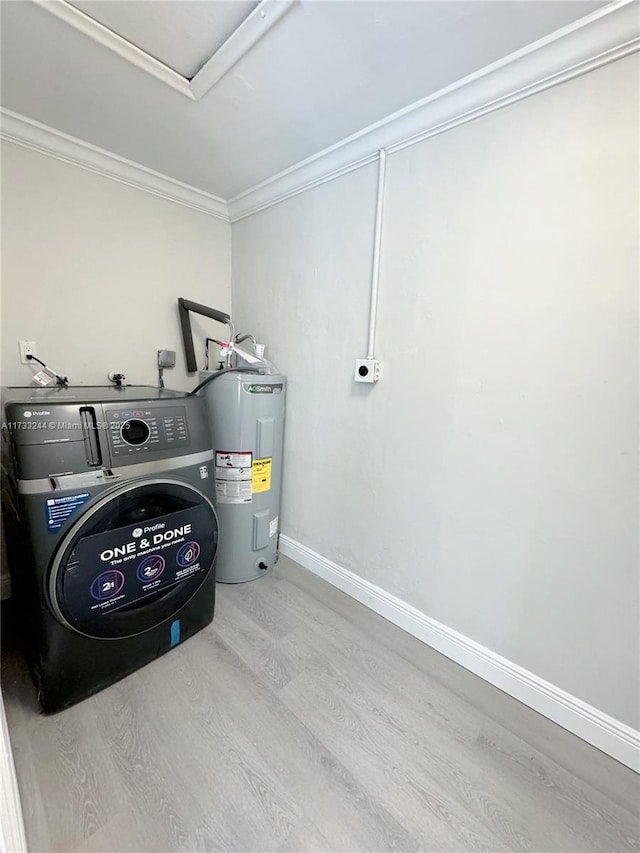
x=184 y=307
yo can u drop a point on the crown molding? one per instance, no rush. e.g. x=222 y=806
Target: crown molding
x=30 y=134
x=604 y=36
x=251 y=30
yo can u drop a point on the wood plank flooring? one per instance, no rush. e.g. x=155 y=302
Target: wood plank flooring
x=301 y=721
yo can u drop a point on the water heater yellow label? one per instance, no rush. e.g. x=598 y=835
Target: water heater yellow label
x=261 y=475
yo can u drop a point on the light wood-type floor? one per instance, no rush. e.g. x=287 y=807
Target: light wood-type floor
x=300 y=721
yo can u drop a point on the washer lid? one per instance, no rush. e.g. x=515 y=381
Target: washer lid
x=133 y=559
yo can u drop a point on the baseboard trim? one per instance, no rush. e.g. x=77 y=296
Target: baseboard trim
x=35 y=136
x=595 y=727
x=12 y=834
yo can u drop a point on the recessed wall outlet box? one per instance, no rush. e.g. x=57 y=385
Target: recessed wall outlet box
x=26 y=348
x=367 y=370
x=166 y=358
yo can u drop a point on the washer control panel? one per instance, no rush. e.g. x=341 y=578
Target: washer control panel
x=137 y=431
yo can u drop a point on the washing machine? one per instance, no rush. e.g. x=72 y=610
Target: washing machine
x=111 y=530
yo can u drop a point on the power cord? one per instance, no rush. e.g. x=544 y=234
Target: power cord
x=61 y=380
x=218 y=373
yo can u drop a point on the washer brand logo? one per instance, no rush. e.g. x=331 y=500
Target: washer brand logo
x=159 y=526
x=137 y=533
x=28 y=414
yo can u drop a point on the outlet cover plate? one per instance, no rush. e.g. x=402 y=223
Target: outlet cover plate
x=26 y=348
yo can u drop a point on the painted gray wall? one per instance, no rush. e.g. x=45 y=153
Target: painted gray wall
x=490 y=479
x=92 y=270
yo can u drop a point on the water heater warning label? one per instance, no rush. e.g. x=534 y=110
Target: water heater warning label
x=226 y=459
x=261 y=475
x=234 y=475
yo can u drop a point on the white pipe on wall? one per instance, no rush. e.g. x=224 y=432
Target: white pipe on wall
x=375 y=269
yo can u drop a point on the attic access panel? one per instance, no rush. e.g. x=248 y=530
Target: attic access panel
x=182 y=35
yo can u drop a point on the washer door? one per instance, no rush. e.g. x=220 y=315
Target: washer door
x=133 y=559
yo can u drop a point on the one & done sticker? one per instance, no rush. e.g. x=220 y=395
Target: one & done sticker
x=119 y=567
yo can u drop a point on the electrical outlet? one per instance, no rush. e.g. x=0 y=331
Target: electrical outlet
x=26 y=348
x=367 y=370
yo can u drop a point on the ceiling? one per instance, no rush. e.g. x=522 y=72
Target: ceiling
x=323 y=71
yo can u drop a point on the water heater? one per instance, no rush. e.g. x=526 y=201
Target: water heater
x=246 y=420
x=245 y=405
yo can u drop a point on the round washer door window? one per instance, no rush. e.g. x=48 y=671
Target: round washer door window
x=133 y=559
